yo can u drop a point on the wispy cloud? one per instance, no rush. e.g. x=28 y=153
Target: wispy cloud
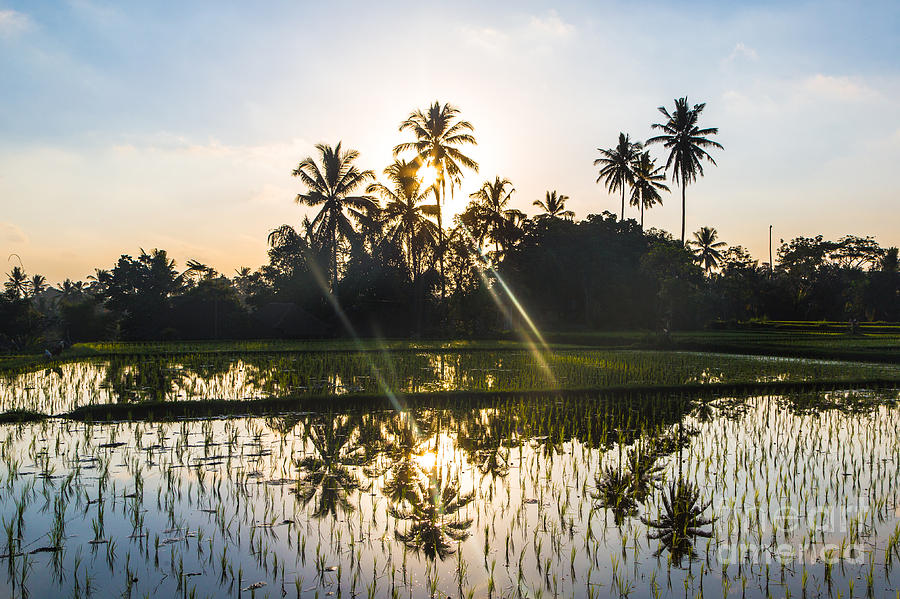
x=10 y=233
x=844 y=89
x=13 y=22
x=742 y=51
x=550 y=25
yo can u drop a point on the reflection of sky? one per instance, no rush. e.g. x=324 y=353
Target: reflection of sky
x=751 y=464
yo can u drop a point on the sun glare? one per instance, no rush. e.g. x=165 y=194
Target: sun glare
x=427 y=175
x=427 y=460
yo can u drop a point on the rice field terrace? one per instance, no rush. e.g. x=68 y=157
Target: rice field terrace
x=61 y=386
x=655 y=495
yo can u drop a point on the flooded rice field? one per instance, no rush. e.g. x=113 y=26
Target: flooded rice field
x=62 y=387
x=789 y=495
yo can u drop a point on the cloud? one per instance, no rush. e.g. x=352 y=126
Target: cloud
x=844 y=89
x=12 y=22
x=550 y=25
x=531 y=30
x=742 y=52
x=487 y=38
x=10 y=233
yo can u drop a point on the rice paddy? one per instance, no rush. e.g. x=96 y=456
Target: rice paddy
x=788 y=495
x=560 y=488
x=61 y=387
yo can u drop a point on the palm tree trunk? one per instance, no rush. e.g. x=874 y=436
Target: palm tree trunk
x=622 y=216
x=333 y=258
x=440 y=240
x=683 y=207
x=642 y=211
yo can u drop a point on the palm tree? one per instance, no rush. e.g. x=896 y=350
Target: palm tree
x=405 y=211
x=331 y=186
x=491 y=203
x=439 y=133
x=687 y=144
x=615 y=166
x=554 y=206
x=37 y=284
x=707 y=248
x=648 y=180
x=17 y=282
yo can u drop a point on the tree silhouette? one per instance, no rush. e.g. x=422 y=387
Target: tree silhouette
x=37 y=285
x=405 y=212
x=707 y=248
x=648 y=180
x=616 y=166
x=331 y=185
x=554 y=206
x=16 y=283
x=490 y=208
x=687 y=144
x=438 y=134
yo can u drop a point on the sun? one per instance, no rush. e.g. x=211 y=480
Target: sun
x=427 y=176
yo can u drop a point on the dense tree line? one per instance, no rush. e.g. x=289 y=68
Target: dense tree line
x=378 y=258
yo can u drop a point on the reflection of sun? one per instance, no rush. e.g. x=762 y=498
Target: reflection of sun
x=427 y=460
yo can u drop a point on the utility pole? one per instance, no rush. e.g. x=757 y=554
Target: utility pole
x=771 y=264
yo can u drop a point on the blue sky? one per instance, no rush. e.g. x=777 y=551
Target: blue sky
x=129 y=125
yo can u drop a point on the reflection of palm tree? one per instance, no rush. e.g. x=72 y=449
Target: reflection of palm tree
x=614 y=493
x=401 y=452
x=620 y=491
x=554 y=206
x=687 y=145
x=439 y=134
x=433 y=517
x=648 y=180
x=331 y=186
x=484 y=446
x=615 y=166
x=707 y=247
x=680 y=520
x=325 y=476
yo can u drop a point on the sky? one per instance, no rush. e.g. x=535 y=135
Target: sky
x=177 y=125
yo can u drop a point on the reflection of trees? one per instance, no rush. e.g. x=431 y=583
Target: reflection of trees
x=325 y=477
x=680 y=520
x=433 y=517
x=622 y=490
x=400 y=452
x=486 y=447
x=146 y=379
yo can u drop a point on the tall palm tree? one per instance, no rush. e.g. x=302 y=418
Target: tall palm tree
x=17 y=282
x=687 y=144
x=331 y=185
x=648 y=180
x=615 y=166
x=438 y=134
x=707 y=248
x=406 y=212
x=491 y=207
x=37 y=284
x=554 y=206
